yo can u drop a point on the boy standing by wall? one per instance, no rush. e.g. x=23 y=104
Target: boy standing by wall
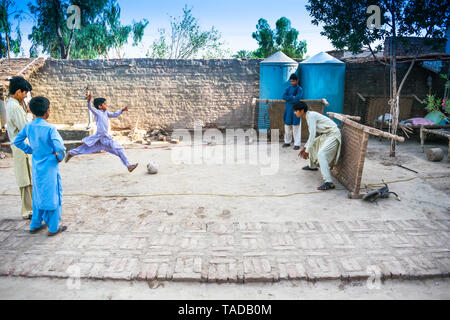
x=292 y=95
x=17 y=117
x=47 y=148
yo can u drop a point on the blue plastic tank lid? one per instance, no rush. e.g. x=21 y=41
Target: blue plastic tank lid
x=279 y=57
x=322 y=57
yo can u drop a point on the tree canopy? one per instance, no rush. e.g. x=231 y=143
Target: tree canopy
x=8 y=41
x=345 y=21
x=100 y=31
x=283 y=37
x=186 y=40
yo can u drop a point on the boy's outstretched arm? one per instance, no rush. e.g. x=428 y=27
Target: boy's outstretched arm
x=19 y=142
x=117 y=113
x=91 y=108
x=89 y=104
x=58 y=145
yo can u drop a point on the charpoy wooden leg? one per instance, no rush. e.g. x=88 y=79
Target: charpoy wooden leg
x=422 y=139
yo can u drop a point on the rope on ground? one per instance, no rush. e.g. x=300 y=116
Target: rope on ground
x=180 y=194
x=379 y=185
x=368 y=186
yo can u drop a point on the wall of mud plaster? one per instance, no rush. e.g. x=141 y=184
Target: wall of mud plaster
x=167 y=93
x=183 y=93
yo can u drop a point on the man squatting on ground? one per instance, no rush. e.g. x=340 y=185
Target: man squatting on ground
x=292 y=95
x=47 y=148
x=323 y=150
x=17 y=117
x=101 y=140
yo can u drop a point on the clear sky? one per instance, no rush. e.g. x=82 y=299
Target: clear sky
x=235 y=19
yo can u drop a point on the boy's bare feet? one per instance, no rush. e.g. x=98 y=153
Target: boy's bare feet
x=68 y=157
x=132 y=167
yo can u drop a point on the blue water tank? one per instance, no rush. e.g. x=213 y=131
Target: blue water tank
x=447 y=46
x=323 y=76
x=274 y=73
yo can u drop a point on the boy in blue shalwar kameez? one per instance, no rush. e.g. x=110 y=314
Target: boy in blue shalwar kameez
x=47 y=148
x=292 y=95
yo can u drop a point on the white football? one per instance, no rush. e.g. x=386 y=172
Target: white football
x=152 y=168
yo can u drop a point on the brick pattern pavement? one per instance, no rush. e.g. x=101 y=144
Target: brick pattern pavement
x=229 y=252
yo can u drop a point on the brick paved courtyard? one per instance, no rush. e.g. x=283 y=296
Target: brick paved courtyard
x=234 y=252
x=313 y=236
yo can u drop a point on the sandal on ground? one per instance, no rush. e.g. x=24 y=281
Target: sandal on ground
x=132 y=167
x=285 y=145
x=68 y=157
x=37 y=229
x=61 y=229
x=326 y=186
x=308 y=168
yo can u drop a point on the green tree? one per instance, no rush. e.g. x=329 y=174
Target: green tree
x=116 y=34
x=100 y=32
x=345 y=24
x=8 y=42
x=283 y=37
x=244 y=54
x=186 y=40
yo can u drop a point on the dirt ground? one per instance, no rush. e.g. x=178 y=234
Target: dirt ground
x=99 y=184
x=163 y=196
x=22 y=288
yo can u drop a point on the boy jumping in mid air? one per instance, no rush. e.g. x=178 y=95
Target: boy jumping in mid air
x=47 y=148
x=101 y=140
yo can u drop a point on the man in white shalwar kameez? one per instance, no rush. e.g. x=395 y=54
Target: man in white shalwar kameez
x=17 y=116
x=323 y=150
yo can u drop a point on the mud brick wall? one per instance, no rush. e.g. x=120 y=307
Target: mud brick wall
x=373 y=79
x=167 y=93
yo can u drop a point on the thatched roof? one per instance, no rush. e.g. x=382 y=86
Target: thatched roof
x=408 y=46
x=403 y=59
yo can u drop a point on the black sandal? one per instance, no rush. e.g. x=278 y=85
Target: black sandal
x=308 y=168
x=61 y=229
x=132 y=167
x=326 y=186
x=37 y=229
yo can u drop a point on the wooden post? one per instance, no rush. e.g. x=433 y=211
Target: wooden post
x=373 y=131
x=443 y=133
x=422 y=139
